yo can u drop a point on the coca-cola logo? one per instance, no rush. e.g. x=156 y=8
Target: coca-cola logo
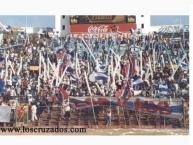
x=102 y=29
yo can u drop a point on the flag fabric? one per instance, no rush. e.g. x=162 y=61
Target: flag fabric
x=138 y=81
x=63 y=92
x=162 y=30
x=21 y=34
x=132 y=30
x=83 y=63
x=58 y=49
x=139 y=31
x=102 y=68
x=125 y=91
x=2 y=84
x=100 y=76
x=184 y=65
x=72 y=52
x=130 y=68
x=73 y=78
x=49 y=29
x=41 y=31
x=70 y=67
x=163 y=88
x=1 y=61
x=8 y=27
x=119 y=33
x=50 y=34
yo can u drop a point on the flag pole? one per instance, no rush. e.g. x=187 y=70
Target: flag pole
x=141 y=62
x=90 y=97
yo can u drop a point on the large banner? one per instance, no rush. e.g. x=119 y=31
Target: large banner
x=5 y=113
x=157 y=106
x=101 y=35
x=101 y=28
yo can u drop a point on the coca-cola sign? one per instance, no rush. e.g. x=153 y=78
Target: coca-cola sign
x=100 y=29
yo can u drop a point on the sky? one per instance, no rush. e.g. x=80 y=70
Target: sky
x=169 y=20
x=32 y=20
x=49 y=20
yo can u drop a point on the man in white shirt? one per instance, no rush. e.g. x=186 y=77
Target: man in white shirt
x=108 y=116
x=67 y=109
x=34 y=110
x=13 y=108
x=30 y=100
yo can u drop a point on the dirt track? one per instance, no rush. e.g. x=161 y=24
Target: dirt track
x=116 y=132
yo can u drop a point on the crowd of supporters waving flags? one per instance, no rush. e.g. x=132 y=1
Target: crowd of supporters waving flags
x=142 y=65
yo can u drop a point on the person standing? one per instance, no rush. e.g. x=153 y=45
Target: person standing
x=34 y=110
x=38 y=107
x=108 y=116
x=67 y=109
x=13 y=108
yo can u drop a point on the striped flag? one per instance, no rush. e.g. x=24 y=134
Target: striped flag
x=72 y=52
x=138 y=81
x=125 y=91
x=131 y=30
x=130 y=68
x=119 y=33
x=73 y=78
x=63 y=92
x=1 y=61
x=50 y=32
x=102 y=68
x=162 y=30
x=58 y=49
x=163 y=88
x=100 y=76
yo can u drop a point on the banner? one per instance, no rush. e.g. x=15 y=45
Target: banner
x=5 y=113
x=101 y=19
x=156 y=106
x=101 y=28
x=101 y=35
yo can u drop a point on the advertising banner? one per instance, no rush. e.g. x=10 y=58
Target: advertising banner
x=102 y=19
x=101 y=28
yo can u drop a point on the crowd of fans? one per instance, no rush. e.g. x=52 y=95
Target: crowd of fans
x=23 y=87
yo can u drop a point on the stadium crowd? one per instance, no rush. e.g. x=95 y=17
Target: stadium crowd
x=22 y=84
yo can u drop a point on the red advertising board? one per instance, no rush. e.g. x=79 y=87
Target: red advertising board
x=102 y=28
